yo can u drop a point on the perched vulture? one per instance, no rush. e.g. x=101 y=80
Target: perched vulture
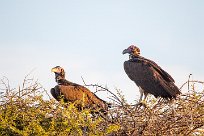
x=72 y=92
x=148 y=76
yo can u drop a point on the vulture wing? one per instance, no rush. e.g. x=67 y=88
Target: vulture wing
x=163 y=73
x=150 y=77
x=81 y=94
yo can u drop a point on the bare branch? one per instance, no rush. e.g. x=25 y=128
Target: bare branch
x=192 y=81
x=104 y=89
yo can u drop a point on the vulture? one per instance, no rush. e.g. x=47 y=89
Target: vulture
x=72 y=92
x=148 y=76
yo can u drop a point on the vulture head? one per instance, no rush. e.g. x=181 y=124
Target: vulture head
x=59 y=73
x=132 y=50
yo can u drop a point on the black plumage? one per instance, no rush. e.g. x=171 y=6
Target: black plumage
x=148 y=76
x=72 y=92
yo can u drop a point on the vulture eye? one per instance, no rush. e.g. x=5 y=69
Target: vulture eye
x=62 y=70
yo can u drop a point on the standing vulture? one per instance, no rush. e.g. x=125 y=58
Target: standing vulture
x=148 y=76
x=72 y=92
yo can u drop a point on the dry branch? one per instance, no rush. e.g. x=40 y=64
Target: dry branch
x=183 y=116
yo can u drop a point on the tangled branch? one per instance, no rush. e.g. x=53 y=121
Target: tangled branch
x=114 y=98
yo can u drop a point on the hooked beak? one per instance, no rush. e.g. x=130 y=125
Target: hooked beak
x=54 y=70
x=126 y=51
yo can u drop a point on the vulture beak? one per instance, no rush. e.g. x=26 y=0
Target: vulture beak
x=126 y=51
x=54 y=70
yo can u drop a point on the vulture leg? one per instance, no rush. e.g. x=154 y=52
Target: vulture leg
x=145 y=95
x=142 y=102
x=141 y=94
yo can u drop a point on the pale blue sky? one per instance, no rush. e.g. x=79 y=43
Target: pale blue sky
x=87 y=37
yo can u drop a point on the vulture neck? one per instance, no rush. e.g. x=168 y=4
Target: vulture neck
x=132 y=56
x=59 y=78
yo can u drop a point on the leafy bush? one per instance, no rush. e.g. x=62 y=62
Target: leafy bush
x=24 y=112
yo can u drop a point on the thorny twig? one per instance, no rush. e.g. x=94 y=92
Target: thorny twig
x=192 y=81
x=104 y=89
